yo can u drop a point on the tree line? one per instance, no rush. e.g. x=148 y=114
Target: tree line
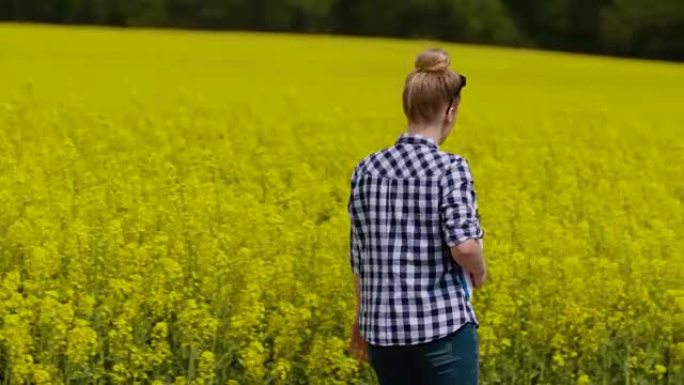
x=641 y=28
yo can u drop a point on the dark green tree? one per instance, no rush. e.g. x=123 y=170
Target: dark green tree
x=644 y=28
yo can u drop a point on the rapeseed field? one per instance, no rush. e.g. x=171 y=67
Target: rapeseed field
x=173 y=206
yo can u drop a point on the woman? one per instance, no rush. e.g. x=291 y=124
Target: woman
x=415 y=235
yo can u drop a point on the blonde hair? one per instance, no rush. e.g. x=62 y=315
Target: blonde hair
x=431 y=85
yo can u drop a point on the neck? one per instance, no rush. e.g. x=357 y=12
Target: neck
x=430 y=130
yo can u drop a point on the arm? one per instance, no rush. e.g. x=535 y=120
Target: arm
x=357 y=284
x=460 y=221
x=359 y=346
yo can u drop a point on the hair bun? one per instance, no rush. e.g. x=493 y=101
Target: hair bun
x=433 y=60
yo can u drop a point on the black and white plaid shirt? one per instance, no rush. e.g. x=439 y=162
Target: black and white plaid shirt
x=409 y=203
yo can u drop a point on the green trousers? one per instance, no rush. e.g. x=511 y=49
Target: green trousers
x=450 y=360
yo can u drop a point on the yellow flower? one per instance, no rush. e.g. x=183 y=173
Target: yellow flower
x=169 y=231
x=583 y=379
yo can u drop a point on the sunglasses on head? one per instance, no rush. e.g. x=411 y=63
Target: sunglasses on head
x=458 y=91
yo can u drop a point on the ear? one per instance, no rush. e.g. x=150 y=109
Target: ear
x=451 y=114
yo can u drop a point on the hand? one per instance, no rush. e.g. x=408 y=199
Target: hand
x=359 y=346
x=478 y=279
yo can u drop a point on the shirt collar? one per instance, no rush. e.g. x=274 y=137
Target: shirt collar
x=411 y=138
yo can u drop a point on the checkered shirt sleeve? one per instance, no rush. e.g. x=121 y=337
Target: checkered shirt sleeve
x=460 y=216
